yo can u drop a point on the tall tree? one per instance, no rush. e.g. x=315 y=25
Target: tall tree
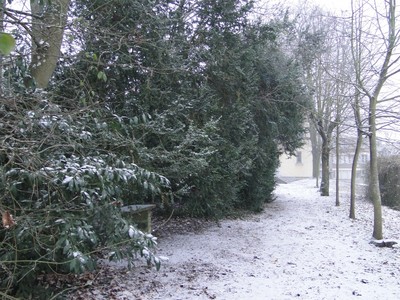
x=376 y=34
x=337 y=156
x=322 y=59
x=310 y=46
x=357 y=105
x=357 y=150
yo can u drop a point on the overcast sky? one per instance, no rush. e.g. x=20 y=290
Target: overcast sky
x=336 y=7
x=333 y=4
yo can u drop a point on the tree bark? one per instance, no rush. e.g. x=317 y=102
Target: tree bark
x=316 y=154
x=48 y=23
x=357 y=117
x=325 y=131
x=374 y=189
x=353 y=180
x=388 y=38
x=337 y=166
x=325 y=167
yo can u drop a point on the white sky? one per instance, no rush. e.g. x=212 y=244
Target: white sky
x=336 y=5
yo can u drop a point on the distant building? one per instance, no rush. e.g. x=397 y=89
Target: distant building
x=298 y=166
x=301 y=165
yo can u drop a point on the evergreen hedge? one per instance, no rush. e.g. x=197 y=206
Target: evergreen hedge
x=389 y=181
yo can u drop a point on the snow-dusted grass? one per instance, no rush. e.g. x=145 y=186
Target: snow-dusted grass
x=302 y=246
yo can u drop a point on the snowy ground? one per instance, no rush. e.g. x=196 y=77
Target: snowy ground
x=301 y=246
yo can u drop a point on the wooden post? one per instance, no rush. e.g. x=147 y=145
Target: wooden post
x=139 y=215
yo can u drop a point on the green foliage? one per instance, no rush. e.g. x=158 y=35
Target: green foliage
x=389 y=180
x=191 y=90
x=65 y=193
x=7 y=43
x=223 y=99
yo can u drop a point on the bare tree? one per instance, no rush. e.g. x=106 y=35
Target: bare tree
x=330 y=67
x=310 y=45
x=343 y=72
x=337 y=165
x=359 y=125
x=376 y=60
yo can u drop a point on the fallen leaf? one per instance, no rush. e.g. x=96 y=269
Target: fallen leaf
x=8 y=220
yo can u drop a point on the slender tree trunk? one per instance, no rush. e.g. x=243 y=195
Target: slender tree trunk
x=357 y=117
x=388 y=69
x=326 y=137
x=325 y=167
x=318 y=166
x=352 y=214
x=337 y=166
x=374 y=178
x=316 y=154
x=375 y=192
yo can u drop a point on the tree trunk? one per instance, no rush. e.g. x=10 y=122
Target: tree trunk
x=354 y=175
x=357 y=117
x=389 y=68
x=325 y=131
x=374 y=189
x=392 y=43
x=316 y=154
x=337 y=166
x=325 y=167
x=48 y=23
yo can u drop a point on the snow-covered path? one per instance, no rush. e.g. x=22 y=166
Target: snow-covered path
x=302 y=246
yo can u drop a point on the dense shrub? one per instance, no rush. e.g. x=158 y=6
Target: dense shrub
x=389 y=180
x=221 y=99
x=192 y=91
x=63 y=182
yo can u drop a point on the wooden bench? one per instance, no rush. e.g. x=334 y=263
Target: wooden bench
x=139 y=214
